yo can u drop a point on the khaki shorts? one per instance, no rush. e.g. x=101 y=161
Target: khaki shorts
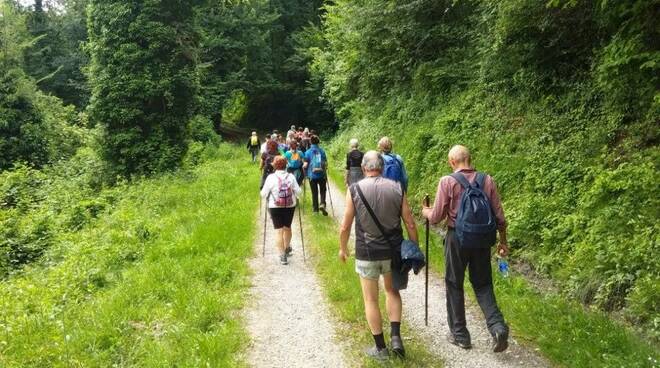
x=372 y=269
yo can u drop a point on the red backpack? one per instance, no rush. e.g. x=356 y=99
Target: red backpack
x=284 y=192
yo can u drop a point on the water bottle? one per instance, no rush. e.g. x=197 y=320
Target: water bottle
x=503 y=266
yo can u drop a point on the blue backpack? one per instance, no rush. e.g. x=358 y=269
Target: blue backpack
x=393 y=169
x=475 y=223
x=316 y=166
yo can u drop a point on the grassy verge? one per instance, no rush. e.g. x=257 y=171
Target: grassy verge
x=154 y=282
x=342 y=286
x=564 y=331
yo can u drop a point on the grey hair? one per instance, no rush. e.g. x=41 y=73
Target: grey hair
x=372 y=161
x=353 y=143
x=385 y=144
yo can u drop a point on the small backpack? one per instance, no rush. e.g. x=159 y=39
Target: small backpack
x=393 y=169
x=254 y=141
x=317 y=163
x=475 y=222
x=284 y=192
x=297 y=161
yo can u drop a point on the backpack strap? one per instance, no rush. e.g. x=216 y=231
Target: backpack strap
x=461 y=179
x=480 y=180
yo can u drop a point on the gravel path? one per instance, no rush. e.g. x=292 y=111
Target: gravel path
x=434 y=335
x=287 y=318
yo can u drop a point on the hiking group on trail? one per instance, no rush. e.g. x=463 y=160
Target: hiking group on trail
x=467 y=201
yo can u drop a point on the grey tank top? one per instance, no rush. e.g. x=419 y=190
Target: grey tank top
x=385 y=197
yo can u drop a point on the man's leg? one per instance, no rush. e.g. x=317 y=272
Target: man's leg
x=392 y=299
x=482 y=282
x=394 y=307
x=372 y=311
x=454 y=277
x=313 y=185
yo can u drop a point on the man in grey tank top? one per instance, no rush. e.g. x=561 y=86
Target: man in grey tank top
x=373 y=251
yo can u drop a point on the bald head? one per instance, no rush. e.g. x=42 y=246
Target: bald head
x=372 y=163
x=459 y=156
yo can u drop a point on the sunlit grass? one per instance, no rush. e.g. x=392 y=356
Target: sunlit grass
x=156 y=282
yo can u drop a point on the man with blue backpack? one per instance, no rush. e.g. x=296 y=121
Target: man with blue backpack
x=316 y=164
x=394 y=168
x=470 y=203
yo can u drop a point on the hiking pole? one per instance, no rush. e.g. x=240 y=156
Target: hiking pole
x=426 y=278
x=263 y=251
x=302 y=239
x=327 y=189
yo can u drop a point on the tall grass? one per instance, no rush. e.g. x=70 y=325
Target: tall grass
x=155 y=282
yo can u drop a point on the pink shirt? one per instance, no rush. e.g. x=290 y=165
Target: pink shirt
x=448 y=199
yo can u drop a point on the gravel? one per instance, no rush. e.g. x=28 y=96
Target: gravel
x=287 y=316
x=434 y=335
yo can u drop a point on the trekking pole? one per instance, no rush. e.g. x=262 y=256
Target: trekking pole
x=263 y=251
x=327 y=189
x=302 y=239
x=426 y=278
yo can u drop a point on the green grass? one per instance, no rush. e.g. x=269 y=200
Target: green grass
x=563 y=330
x=342 y=286
x=157 y=281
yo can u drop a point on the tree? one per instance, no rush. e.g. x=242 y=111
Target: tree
x=144 y=81
x=22 y=132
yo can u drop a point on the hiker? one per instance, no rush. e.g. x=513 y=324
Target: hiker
x=281 y=190
x=353 y=163
x=373 y=251
x=471 y=250
x=315 y=165
x=267 y=158
x=264 y=145
x=294 y=158
x=253 y=145
x=394 y=168
x=306 y=140
x=291 y=134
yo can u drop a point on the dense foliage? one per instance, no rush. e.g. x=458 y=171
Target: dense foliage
x=558 y=100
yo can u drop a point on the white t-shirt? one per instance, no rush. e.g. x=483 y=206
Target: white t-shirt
x=271 y=187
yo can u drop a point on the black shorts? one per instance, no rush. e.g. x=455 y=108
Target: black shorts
x=282 y=217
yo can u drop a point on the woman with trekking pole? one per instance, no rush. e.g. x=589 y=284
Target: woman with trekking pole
x=281 y=191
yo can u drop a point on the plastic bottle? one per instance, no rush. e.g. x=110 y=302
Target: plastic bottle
x=503 y=266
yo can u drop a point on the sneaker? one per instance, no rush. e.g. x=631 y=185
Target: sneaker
x=323 y=211
x=460 y=343
x=289 y=250
x=397 y=346
x=500 y=342
x=283 y=260
x=377 y=354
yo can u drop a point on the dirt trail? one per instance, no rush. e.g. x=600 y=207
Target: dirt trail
x=434 y=335
x=287 y=318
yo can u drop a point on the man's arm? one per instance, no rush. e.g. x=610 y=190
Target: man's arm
x=345 y=228
x=440 y=207
x=408 y=220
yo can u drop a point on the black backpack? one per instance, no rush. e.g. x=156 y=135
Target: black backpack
x=475 y=222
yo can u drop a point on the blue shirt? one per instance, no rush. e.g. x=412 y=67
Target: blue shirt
x=309 y=154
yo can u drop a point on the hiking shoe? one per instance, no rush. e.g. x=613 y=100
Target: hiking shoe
x=500 y=342
x=397 y=347
x=323 y=211
x=283 y=260
x=289 y=250
x=377 y=354
x=460 y=343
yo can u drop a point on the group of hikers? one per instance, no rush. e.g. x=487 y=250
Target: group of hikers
x=467 y=201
